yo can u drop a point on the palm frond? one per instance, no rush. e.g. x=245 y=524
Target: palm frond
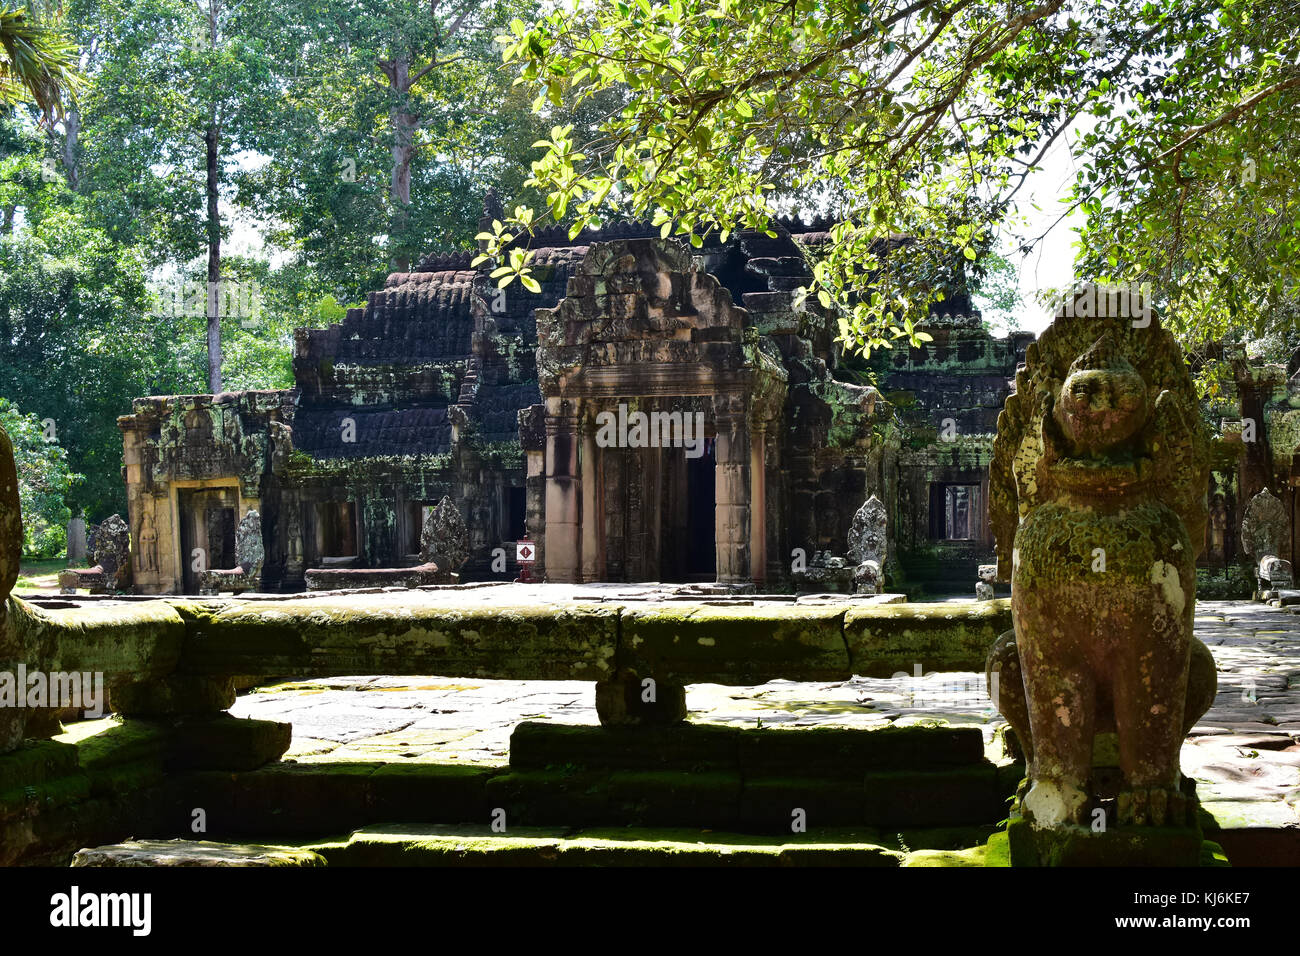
x=38 y=63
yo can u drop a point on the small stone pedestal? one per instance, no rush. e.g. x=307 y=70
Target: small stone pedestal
x=201 y=734
x=630 y=700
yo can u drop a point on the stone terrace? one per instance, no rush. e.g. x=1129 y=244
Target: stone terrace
x=1245 y=753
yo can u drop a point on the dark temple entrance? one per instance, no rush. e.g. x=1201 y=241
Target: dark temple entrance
x=701 y=496
x=687 y=552
x=208 y=520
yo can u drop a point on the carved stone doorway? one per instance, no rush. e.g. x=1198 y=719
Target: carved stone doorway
x=209 y=517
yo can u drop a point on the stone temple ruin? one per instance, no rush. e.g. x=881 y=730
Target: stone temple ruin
x=444 y=385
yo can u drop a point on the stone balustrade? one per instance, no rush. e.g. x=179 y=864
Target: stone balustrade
x=174 y=656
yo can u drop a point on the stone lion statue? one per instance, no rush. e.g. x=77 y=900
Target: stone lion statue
x=1097 y=501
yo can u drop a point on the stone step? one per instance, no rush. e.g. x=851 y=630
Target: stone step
x=302 y=800
x=953 y=797
x=839 y=752
x=194 y=853
x=479 y=845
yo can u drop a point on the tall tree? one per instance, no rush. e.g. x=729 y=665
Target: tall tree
x=44 y=481
x=178 y=88
x=394 y=119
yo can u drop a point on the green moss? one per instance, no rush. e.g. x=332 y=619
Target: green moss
x=524 y=846
x=361 y=474
x=972 y=856
x=896 y=638
x=36 y=761
x=734 y=645
x=43 y=796
x=1212 y=855
x=114 y=741
x=998 y=850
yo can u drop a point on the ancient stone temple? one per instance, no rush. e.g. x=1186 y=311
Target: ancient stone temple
x=654 y=412
x=947 y=394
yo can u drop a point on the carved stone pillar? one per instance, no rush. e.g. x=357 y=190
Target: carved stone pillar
x=563 y=488
x=758 y=503
x=592 y=518
x=731 y=476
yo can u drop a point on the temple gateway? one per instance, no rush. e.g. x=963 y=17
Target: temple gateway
x=653 y=413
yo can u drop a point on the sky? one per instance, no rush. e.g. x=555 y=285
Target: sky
x=1051 y=264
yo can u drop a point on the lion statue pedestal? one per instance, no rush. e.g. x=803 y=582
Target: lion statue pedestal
x=1098 y=505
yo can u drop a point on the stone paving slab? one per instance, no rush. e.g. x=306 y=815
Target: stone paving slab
x=486 y=593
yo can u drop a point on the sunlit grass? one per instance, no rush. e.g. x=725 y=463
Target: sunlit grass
x=39 y=575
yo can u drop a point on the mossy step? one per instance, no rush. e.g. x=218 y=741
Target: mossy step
x=843 y=752
x=536 y=846
x=194 y=853
x=305 y=799
x=207 y=742
x=116 y=741
x=34 y=762
x=302 y=799
x=950 y=797
x=223 y=742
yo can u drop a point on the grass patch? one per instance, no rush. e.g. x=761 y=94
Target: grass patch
x=39 y=575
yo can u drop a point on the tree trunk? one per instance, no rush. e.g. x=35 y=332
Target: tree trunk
x=214 y=266
x=71 y=134
x=66 y=146
x=399 y=190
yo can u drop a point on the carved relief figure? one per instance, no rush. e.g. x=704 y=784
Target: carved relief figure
x=148 y=541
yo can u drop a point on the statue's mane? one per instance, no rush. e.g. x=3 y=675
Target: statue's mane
x=1177 y=435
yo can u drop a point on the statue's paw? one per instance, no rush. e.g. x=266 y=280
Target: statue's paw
x=1053 y=803
x=1152 y=807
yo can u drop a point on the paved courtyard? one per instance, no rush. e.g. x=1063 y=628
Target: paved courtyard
x=1245 y=752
